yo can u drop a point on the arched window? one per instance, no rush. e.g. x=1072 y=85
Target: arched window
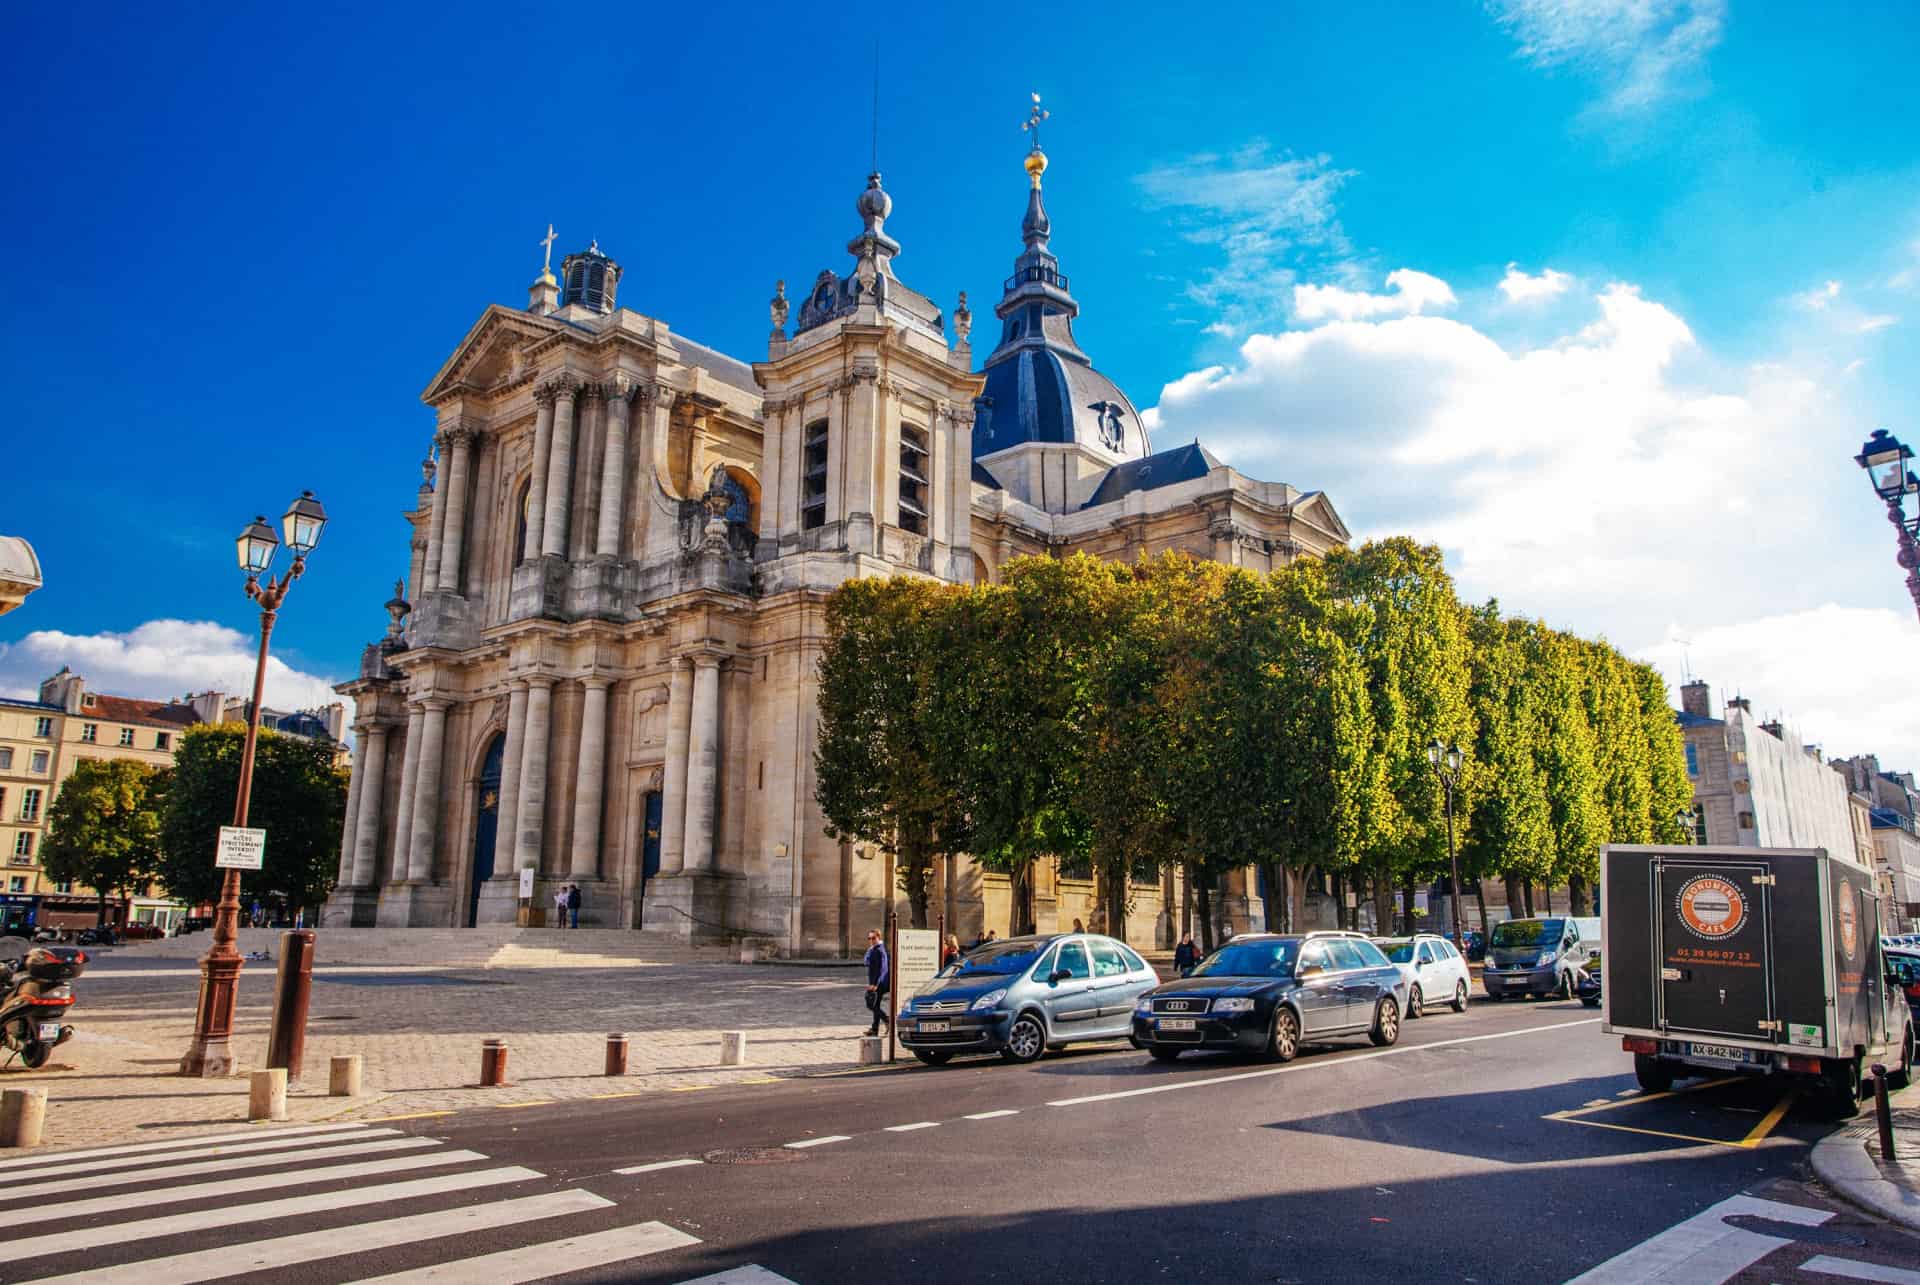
x=520 y=522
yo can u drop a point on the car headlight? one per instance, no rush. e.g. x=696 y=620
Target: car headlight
x=989 y=999
x=1546 y=959
x=1492 y=967
x=1143 y=1005
x=1233 y=1005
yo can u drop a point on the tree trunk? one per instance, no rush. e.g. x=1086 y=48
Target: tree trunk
x=1480 y=899
x=1526 y=887
x=1120 y=893
x=1549 y=895
x=1296 y=899
x=1203 y=898
x=1406 y=901
x=1382 y=900
x=1020 y=913
x=1186 y=898
x=1516 y=904
x=914 y=871
x=1577 y=894
x=1273 y=898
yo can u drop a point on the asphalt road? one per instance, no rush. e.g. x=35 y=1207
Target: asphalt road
x=1447 y=1157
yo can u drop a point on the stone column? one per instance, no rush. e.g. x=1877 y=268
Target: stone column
x=537 y=483
x=553 y=537
x=504 y=837
x=531 y=812
x=703 y=762
x=426 y=803
x=403 y=821
x=590 y=781
x=366 y=830
x=349 y=824
x=453 y=539
x=437 y=527
x=613 y=470
x=673 y=787
x=860 y=433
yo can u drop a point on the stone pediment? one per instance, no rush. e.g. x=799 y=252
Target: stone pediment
x=1314 y=508
x=491 y=353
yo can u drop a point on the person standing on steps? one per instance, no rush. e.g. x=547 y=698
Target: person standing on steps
x=560 y=906
x=573 y=905
x=878 y=974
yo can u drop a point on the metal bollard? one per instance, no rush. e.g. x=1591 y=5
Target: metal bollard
x=1883 y=1111
x=733 y=1048
x=267 y=1094
x=493 y=1063
x=293 y=988
x=22 y=1113
x=616 y=1054
x=343 y=1076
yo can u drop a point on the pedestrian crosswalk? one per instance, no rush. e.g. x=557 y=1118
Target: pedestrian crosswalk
x=1762 y=1238
x=402 y=1208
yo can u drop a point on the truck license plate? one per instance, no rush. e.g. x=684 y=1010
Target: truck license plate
x=934 y=1028
x=1176 y=1023
x=1717 y=1052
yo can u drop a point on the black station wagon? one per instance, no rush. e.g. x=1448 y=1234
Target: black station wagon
x=1271 y=994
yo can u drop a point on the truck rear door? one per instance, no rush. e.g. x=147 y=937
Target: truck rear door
x=1715 y=947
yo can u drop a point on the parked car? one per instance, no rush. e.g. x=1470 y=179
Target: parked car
x=1903 y=967
x=1534 y=957
x=1270 y=993
x=1025 y=995
x=1587 y=980
x=141 y=931
x=1434 y=970
x=1475 y=948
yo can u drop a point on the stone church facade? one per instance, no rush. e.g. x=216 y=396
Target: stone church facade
x=601 y=668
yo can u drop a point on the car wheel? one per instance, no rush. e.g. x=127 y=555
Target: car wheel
x=1283 y=1043
x=1566 y=985
x=1653 y=1075
x=1840 y=1086
x=1590 y=1001
x=1416 y=1004
x=1386 y=1022
x=1164 y=1054
x=1460 y=997
x=1026 y=1041
x=933 y=1057
x=1901 y=1078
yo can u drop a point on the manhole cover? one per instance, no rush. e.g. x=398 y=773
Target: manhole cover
x=751 y=1156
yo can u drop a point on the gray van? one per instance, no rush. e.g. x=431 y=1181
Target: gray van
x=1541 y=956
x=1025 y=995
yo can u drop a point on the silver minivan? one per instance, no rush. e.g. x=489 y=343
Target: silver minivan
x=1025 y=995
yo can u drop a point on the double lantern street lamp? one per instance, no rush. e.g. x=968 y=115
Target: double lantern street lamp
x=1446 y=762
x=211 y=1053
x=1885 y=457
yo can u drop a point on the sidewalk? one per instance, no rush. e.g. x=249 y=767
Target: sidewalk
x=1849 y=1162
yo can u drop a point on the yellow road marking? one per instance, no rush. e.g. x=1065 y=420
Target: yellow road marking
x=509 y=1106
x=1754 y=1138
x=413 y=1115
x=1769 y=1121
x=602 y=1097
x=689 y=1088
x=1590 y=1109
x=1652 y=1133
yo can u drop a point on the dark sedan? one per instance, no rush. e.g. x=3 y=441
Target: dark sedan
x=1903 y=966
x=1271 y=994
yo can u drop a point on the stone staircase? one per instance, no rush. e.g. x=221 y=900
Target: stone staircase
x=492 y=946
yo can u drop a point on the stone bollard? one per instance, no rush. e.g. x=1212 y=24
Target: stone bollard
x=733 y=1048
x=873 y=1050
x=22 y=1112
x=493 y=1063
x=616 y=1054
x=343 y=1076
x=267 y=1094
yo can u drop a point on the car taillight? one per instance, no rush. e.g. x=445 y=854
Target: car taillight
x=1804 y=1065
x=1639 y=1044
x=1913 y=990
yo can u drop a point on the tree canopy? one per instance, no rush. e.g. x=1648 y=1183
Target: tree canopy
x=103 y=830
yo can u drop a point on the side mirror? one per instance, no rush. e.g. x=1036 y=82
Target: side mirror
x=1057 y=976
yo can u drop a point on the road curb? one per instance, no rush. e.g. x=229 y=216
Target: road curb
x=1841 y=1161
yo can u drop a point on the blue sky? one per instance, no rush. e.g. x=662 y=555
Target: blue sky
x=242 y=244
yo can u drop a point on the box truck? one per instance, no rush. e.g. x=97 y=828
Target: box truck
x=1757 y=961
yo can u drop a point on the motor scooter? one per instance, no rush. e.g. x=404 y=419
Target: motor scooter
x=36 y=984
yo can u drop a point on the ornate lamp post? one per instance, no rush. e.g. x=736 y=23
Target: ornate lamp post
x=211 y=1053
x=1446 y=762
x=1885 y=458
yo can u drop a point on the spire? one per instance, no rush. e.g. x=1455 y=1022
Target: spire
x=873 y=249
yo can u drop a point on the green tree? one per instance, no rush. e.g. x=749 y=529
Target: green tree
x=103 y=830
x=1669 y=790
x=1507 y=832
x=299 y=799
x=1577 y=816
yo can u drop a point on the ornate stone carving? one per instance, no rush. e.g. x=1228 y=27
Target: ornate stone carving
x=962 y=320
x=564 y=387
x=543 y=394
x=777 y=307
x=621 y=387
x=593 y=393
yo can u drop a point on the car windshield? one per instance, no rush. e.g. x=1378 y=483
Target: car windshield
x=1001 y=959
x=1528 y=932
x=1251 y=959
x=1398 y=949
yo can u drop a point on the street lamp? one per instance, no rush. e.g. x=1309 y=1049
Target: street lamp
x=211 y=1053
x=1445 y=759
x=1885 y=457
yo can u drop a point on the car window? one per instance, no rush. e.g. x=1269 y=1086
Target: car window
x=1526 y=932
x=1346 y=954
x=1107 y=961
x=1426 y=952
x=1312 y=955
x=1398 y=949
x=1370 y=956
x=1905 y=967
x=1073 y=961
x=1134 y=962
x=1044 y=966
x=1255 y=957
x=1000 y=958
x=1452 y=951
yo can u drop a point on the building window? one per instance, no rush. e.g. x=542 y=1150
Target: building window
x=23 y=844
x=44 y=727
x=126 y=736
x=30 y=805
x=17 y=884
x=89 y=732
x=40 y=760
x=1693 y=760
x=522 y=524
x=162 y=740
x=913 y=480
x=65 y=885
x=813 y=477
x=6 y=760
x=1746 y=820
x=1699 y=823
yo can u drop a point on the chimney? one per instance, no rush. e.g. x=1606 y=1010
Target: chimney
x=1742 y=704
x=65 y=689
x=1694 y=699
x=1772 y=727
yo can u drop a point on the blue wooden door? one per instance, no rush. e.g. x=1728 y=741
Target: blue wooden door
x=486 y=826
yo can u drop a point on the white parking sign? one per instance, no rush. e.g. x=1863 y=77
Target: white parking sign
x=241 y=849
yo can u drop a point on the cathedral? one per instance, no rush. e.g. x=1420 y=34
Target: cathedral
x=600 y=671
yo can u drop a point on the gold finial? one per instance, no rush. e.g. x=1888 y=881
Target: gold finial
x=1036 y=162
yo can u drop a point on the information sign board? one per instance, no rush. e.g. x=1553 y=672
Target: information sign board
x=240 y=849
x=916 y=960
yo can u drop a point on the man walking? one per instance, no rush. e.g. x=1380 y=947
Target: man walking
x=560 y=906
x=878 y=974
x=573 y=905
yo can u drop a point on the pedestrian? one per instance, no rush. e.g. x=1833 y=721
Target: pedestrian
x=560 y=906
x=952 y=952
x=573 y=905
x=877 y=976
x=1185 y=955
x=1077 y=925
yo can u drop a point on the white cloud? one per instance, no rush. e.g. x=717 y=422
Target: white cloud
x=1878 y=321
x=1411 y=292
x=1817 y=299
x=1642 y=51
x=1221 y=330
x=1523 y=289
x=159 y=660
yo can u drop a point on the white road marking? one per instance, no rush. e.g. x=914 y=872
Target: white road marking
x=804 y=1143
x=12 y=1191
x=660 y=1164
x=751 y=1274
x=1312 y=1066
x=265 y=1138
x=553 y=1258
x=231 y=1187
x=115 y=1233
x=1703 y=1250
x=1859 y=1271
x=263 y=1256
x=992 y=1115
x=909 y=1128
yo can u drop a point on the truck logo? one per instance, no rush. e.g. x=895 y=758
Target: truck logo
x=1849 y=919
x=1711 y=907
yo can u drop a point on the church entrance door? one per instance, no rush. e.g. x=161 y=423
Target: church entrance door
x=486 y=826
x=649 y=849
